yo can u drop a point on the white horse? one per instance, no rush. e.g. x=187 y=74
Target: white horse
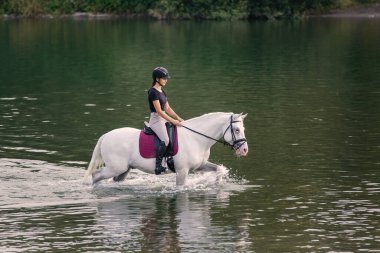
x=117 y=151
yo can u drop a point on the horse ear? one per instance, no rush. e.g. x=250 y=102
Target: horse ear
x=237 y=116
x=243 y=116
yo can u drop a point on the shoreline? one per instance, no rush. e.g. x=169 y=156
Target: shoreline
x=80 y=16
x=361 y=11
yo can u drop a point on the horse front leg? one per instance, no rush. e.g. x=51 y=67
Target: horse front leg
x=212 y=167
x=181 y=176
x=208 y=167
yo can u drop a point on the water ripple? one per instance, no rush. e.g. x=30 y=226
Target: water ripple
x=47 y=207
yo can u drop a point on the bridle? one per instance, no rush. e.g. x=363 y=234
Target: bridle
x=236 y=143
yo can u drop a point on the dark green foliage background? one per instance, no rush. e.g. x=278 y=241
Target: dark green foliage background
x=177 y=9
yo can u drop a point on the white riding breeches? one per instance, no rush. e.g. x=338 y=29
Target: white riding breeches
x=157 y=124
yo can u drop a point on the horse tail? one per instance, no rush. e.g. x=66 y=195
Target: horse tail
x=96 y=159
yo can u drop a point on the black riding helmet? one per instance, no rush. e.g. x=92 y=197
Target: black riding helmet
x=160 y=72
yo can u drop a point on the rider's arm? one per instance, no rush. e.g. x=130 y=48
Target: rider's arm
x=157 y=106
x=171 y=112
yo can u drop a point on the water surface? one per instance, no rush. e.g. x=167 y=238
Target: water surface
x=310 y=183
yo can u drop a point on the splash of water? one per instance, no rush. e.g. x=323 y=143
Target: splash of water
x=30 y=183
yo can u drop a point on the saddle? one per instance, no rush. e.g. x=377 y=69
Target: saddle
x=149 y=142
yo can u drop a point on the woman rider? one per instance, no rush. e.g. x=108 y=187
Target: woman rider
x=161 y=112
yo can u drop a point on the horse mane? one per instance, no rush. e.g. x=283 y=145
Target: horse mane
x=208 y=115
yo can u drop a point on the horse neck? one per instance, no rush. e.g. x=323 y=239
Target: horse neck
x=209 y=124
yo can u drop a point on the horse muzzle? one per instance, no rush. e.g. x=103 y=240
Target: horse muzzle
x=242 y=150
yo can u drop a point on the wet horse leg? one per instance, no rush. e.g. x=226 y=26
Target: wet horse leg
x=104 y=173
x=181 y=176
x=208 y=167
x=122 y=176
x=98 y=175
x=212 y=167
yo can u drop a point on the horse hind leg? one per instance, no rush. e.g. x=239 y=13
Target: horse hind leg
x=98 y=176
x=122 y=176
x=104 y=173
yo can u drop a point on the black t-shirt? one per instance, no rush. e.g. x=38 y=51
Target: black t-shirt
x=154 y=94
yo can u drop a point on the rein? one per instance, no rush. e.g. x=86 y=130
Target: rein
x=225 y=143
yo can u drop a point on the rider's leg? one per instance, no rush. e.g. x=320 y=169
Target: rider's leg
x=161 y=150
x=158 y=126
x=159 y=157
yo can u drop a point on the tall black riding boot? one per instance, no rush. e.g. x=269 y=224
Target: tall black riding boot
x=159 y=156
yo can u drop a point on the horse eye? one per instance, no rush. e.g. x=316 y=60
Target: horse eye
x=237 y=130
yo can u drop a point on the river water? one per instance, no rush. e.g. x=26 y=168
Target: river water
x=311 y=180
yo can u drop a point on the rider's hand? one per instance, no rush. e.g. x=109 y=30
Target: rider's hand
x=177 y=123
x=179 y=119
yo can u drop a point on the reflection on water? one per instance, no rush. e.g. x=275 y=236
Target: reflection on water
x=158 y=224
x=169 y=224
x=311 y=182
x=49 y=208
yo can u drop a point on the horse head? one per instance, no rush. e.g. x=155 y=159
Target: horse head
x=234 y=134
